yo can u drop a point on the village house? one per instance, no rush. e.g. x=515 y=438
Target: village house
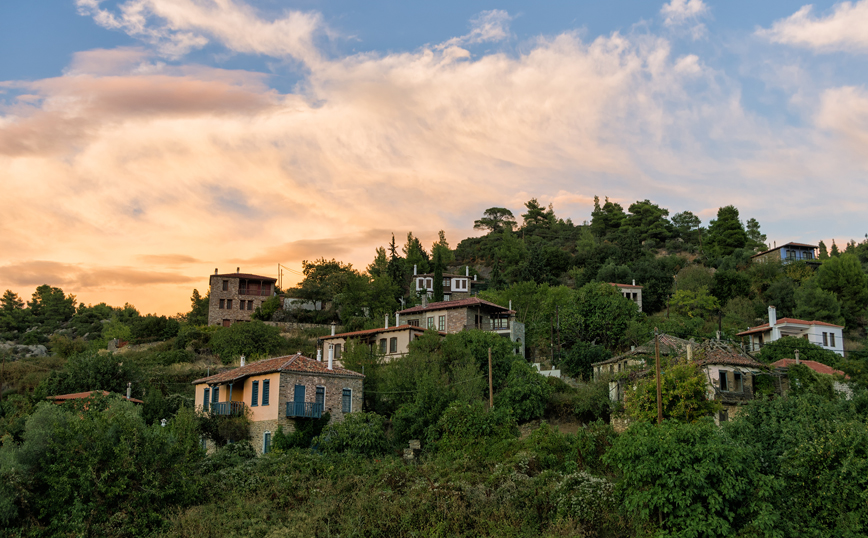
x=788 y=253
x=638 y=357
x=389 y=342
x=451 y=317
x=234 y=296
x=280 y=392
x=784 y=365
x=454 y=286
x=826 y=335
x=630 y=291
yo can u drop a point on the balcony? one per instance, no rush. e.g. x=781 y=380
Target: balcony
x=499 y=325
x=304 y=410
x=227 y=408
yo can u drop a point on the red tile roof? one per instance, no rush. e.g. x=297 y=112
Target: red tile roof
x=442 y=305
x=624 y=285
x=297 y=363
x=373 y=331
x=818 y=367
x=712 y=352
x=85 y=395
x=765 y=326
x=247 y=276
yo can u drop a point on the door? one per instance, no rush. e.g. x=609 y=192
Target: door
x=298 y=399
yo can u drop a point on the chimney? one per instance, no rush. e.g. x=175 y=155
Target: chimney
x=129 y=390
x=318 y=355
x=397 y=319
x=773 y=316
x=467 y=270
x=215 y=270
x=797 y=356
x=414 y=269
x=331 y=356
x=424 y=300
x=510 y=304
x=634 y=281
x=243 y=362
x=237 y=269
x=333 y=328
x=387 y=321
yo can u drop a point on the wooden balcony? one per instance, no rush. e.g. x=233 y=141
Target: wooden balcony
x=227 y=408
x=304 y=410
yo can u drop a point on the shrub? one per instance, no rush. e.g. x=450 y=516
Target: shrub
x=462 y=425
x=591 y=402
x=65 y=346
x=359 y=433
x=526 y=392
x=577 y=361
x=302 y=437
x=585 y=498
x=251 y=339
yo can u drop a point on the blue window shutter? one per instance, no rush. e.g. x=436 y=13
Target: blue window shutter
x=205 y=399
x=215 y=395
x=266 y=443
x=265 y=386
x=347 y=401
x=254 y=399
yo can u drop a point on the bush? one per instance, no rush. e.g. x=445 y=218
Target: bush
x=577 y=361
x=359 y=433
x=591 y=402
x=463 y=425
x=304 y=434
x=526 y=392
x=585 y=498
x=65 y=346
x=251 y=339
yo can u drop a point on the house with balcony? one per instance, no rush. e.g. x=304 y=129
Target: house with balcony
x=454 y=286
x=389 y=342
x=280 y=392
x=234 y=296
x=788 y=253
x=466 y=314
x=825 y=335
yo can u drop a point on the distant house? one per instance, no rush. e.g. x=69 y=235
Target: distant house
x=630 y=291
x=639 y=356
x=823 y=334
x=234 y=296
x=788 y=253
x=454 y=286
x=280 y=392
x=824 y=369
x=465 y=314
x=63 y=398
x=391 y=342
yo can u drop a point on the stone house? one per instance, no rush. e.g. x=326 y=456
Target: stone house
x=234 y=296
x=466 y=314
x=825 y=335
x=280 y=392
x=839 y=382
x=732 y=375
x=390 y=342
x=454 y=286
x=638 y=357
x=788 y=253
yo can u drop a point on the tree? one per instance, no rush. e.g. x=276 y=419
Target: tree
x=693 y=278
x=253 y=339
x=599 y=314
x=824 y=252
x=438 y=276
x=11 y=302
x=816 y=304
x=835 y=253
x=756 y=240
x=94 y=371
x=695 y=303
x=198 y=314
x=526 y=392
x=380 y=265
x=495 y=219
x=726 y=233
x=843 y=276
x=358 y=433
x=51 y=306
x=650 y=220
x=727 y=285
x=607 y=219
x=784 y=348
x=323 y=279
x=684 y=396
x=537 y=216
x=782 y=295
x=267 y=309
x=687 y=226
x=415 y=255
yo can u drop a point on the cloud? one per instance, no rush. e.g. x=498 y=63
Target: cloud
x=486 y=27
x=176 y=27
x=79 y=276
x=679 y=12
x=168 y=259
x=845 y=29
x=844 y=112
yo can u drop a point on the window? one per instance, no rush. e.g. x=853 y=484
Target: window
x=215 y=395
x=265 y=389
x=445 y=282
x=266 y=442
x=382 y=345
x=420 y=283
x=429 y=283
x=337 y=351
x=723 y=416
x=826 y=339
x=736 y=382
x=832 y=339
x=393 y=345
x=241 y=304
x=225 y=285
x=347 y=401
x=229 y=304
x=254 y=398
x=249 y=305
x=413 y=322
x=431 y=322
x=723 y=381
x=441 y=323
x=500 y=323
x=320 y=396
x=205 y=399
x=222 y=304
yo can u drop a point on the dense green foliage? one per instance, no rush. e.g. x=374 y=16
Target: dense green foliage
x=254 y=340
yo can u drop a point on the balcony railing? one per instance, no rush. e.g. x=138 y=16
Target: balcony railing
x=304 y=409
x=227 y=408
x=488 y=326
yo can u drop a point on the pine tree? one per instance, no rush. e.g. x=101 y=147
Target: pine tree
x=834 y=253
x=824 y=252
x=438 y=275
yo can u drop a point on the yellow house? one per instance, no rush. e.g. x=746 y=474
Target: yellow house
x=279 y=392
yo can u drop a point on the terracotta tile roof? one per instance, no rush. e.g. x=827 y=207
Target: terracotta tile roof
x=624 y=285
x=291 y=363
x=85 y=395
x=442 y=305
x=765 y=326
x=247 y=276
x=374 y=331
x=818 y=367
x=668 y=345
x=716 y=352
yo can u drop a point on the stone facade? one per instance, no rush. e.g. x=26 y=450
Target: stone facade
x=228 y=304
x=333 y=385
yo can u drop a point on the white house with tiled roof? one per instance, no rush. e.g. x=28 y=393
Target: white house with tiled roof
x=389 y=342
x=466 y=314
x=826 y=335
x=630 y=291
x=280 y=391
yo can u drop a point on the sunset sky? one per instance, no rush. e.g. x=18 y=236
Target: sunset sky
x=144 y=143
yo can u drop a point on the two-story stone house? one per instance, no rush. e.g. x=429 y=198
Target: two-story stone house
x=234 y=296
x=464 y=314
x=390 y=342
x=279 y=392
x=454 y=286
x=788 y=253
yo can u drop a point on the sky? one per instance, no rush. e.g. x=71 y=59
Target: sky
x=144 y=143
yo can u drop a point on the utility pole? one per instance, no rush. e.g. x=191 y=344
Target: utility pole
x=490 y=386
x=558 y=313
x=659 y=391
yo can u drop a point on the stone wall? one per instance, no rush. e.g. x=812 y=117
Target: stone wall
x=217 y=315
x=334 y=386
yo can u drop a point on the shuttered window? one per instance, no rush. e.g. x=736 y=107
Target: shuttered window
x=205 y=399
x=347 y=401
x=215 y=395
x=254 y=398
x=266 y=442
x=265 y=386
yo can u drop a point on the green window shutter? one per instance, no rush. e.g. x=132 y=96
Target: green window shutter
x=254 y=399
x=205 y=399
x=265 y=390
x=215 y=395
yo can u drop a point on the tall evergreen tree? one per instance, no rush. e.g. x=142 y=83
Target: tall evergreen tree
x=726 y=233
x=835 y=253
x=824 y=252
x=756 y=240
x=438 y=275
